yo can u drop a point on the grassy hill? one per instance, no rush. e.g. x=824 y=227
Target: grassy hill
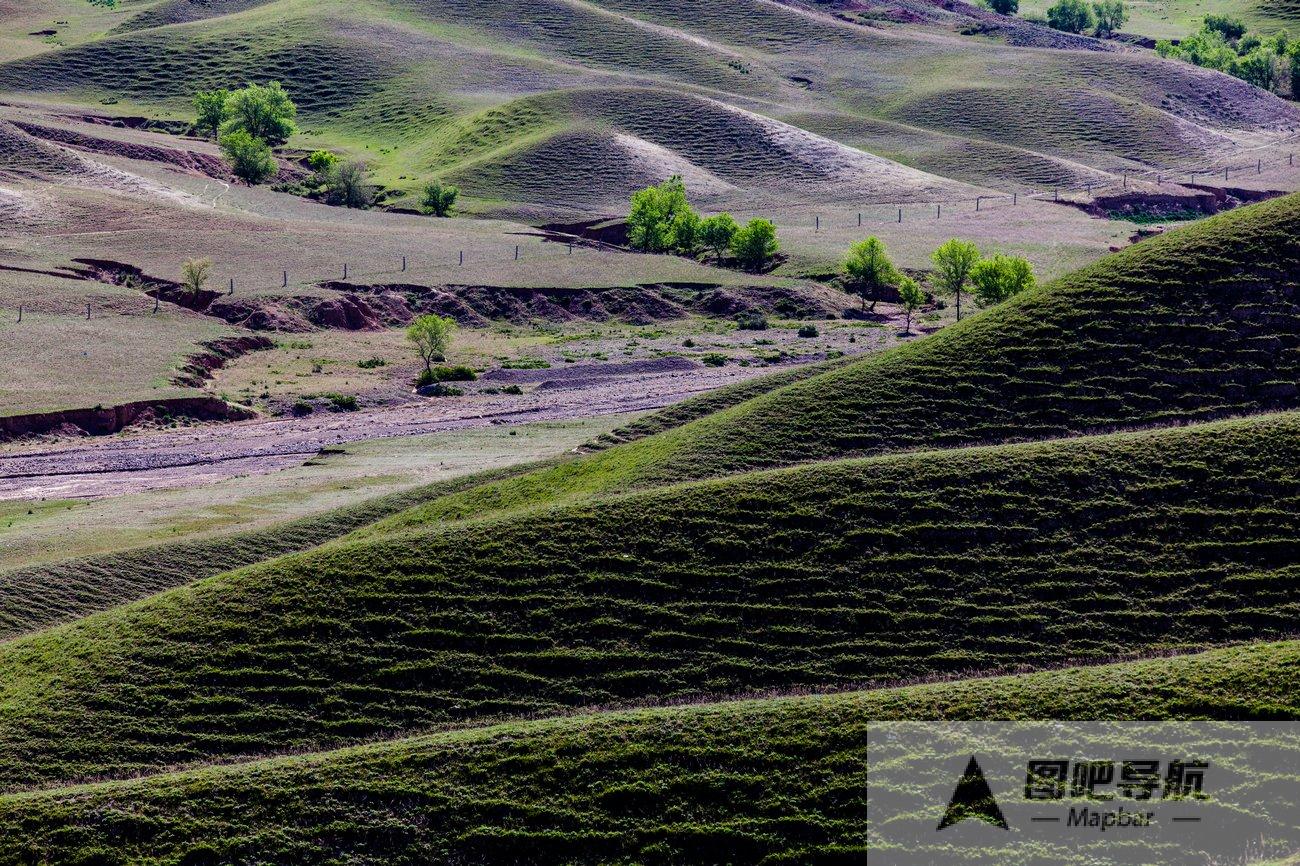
x=781 y=779
x=507 y=97
x=1198 y=324
x=832 y=575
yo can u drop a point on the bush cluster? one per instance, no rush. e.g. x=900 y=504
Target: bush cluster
x=1268 y=62
x=661 y=220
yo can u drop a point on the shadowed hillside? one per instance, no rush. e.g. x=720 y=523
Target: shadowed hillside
x=780 y=779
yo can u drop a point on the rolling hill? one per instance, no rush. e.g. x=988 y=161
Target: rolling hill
x=508 y=97
x=776 y=781
x=825 y=576
x=1198 y=324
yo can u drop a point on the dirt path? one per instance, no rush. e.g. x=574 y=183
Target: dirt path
x=132 y=463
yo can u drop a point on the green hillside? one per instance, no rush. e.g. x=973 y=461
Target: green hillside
x=739 y=782
x=508 y=98
x=1201 y=323
x=832 y=575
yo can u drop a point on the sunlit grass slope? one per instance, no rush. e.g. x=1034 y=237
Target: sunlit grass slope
x=1198 y=324
x=830 y=575
x=781 y=779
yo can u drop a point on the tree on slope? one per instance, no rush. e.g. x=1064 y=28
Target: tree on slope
x=717 y=233
x=1110 y=14
x=438 y=199
x=1071 y=16
x=263 y=111
x=869 y=270
x=654 y=213
x=1005 y=7
x=953 y=262
x=1001 y=277
x=755 y=244
x=911 y=297
x=210 y=111
x=431 y=336
x=250 y=158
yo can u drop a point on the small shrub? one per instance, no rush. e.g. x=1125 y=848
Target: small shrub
x=809 y=331
x=301 y=408
x=526 y=364
x=714 y=359
x=751 y=322
x=434 y=375
x=438 y=200
x=442 y=389
x=688 y=343
x=343 y=402
x=372 y=363
x=512 y=389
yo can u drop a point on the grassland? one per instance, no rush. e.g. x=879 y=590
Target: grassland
x=1197 y=324
x=343 y=476
x=831 y=575
x=776 y=781
x=1175 y=19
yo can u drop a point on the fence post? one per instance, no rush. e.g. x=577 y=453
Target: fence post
x=462 y=257
x=284 y=279
x=859 y=219
x=87 y=312
x=403 y=262
x=1290 y=159
x=570 y=247
x=979 y=201
x=1125 y=178
x=1260 y=167
x=1159 y=179
x=232 y=285
x=155 y=301
x=1056 y=194
x=20 y=313
x=516 y=252
x=900 y=216
x=345 y=270
x=1225 y=172
x=1015 y=198
x=819 y=224
x=938 y=211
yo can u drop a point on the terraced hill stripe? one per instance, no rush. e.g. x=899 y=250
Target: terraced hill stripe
x=780 y=779
x=832 y=575
x=1201 y=323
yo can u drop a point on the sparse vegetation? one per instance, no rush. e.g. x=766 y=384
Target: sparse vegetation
x=911 y=298
x=1071 y=16
x=347 y=184
x=445 y=374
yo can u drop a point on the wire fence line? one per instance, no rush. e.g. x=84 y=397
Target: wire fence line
x=865 y=214
x=158 y=293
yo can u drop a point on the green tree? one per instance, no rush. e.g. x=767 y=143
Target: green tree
x=322 y=162
x=250 y=158
x=431 y=336
x=717 y=232
x=438 y=199
x=346 y=184
x=1071 y=16
x=953 y=262
x=1005 y=7
x=1230 y=28
x=686 y=231
x=1111 y=16
x=210 y=108
x=869 y=270
x=1000 y=277
x=653 y=214
x=194 y=275
x=263 y=111
x=755 y=244
x=911 y=297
